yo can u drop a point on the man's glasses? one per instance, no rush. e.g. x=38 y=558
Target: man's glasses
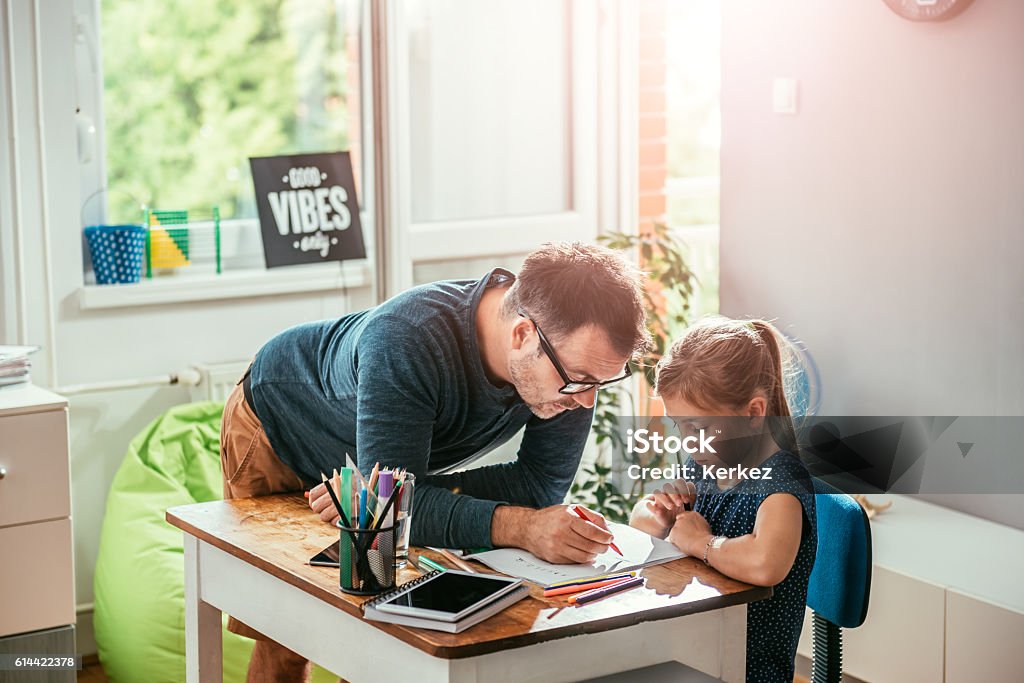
x=571 y=386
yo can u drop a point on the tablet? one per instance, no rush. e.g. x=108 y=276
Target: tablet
x=328 y=557
x=448 y=595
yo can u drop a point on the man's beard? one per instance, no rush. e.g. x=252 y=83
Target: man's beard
x=528 y=390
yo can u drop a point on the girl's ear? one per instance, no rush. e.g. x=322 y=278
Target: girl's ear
x=757 y=408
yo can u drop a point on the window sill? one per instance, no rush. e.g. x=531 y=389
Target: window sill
x=239 y=284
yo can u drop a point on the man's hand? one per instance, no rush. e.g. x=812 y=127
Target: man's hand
x=320 y=502
x=554 y=534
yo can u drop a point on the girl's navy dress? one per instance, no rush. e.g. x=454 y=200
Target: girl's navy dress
x=773 y=625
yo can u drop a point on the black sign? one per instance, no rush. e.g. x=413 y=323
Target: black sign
x=308 y=208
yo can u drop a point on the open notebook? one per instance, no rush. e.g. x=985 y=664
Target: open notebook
x=638 y=550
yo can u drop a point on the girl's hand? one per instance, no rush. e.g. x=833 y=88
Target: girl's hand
x=661 y=520
x=674 y=496
x=690 y=533
x=656 y=513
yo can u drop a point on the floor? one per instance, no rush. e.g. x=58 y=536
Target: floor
x=92 y=672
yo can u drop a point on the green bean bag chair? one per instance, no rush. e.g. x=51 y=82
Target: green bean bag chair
x=139 y=583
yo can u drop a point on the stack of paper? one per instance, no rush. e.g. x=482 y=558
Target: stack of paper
x=14 y=364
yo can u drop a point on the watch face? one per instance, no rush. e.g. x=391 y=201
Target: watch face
x=928 y=10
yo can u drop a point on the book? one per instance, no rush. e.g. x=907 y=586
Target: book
x=639 y=550
x=15 y=367
x=450 y=601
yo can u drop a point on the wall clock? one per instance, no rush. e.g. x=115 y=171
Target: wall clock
x=928 y=10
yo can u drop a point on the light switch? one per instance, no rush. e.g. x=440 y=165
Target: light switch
x=784 y=96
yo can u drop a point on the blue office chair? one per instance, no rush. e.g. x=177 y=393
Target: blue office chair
x=840 y=582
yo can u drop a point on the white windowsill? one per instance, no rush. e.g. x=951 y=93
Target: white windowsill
x=231 y=285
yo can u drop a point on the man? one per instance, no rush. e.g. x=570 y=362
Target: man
x=431 y=380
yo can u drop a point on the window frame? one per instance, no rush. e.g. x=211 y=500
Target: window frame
x=93 y=178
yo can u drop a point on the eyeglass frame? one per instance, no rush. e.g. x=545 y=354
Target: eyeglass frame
x=549 y=351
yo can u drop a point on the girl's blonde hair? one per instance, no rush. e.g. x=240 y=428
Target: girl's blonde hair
x=723 y=363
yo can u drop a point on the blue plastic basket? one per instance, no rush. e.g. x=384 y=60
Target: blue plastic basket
x=117 y=252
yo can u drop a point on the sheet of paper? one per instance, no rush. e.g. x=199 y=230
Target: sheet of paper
x=638 y=550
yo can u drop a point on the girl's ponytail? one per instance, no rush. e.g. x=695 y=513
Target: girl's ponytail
x=780 y=419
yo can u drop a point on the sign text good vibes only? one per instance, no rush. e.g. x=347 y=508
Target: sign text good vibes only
x=308 y=208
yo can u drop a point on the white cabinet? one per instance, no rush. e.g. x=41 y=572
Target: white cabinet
x=947 y=599
x=36 y=568
x=983 y=641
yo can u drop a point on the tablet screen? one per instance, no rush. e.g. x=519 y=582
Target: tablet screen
x=452 y=592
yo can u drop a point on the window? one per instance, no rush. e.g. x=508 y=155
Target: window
x=694 y=139
x=488 y=110
x=185 y=92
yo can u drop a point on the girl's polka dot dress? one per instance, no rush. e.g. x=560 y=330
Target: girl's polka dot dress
x=773 y=625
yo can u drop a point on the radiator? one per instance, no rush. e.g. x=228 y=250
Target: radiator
x=216 y=380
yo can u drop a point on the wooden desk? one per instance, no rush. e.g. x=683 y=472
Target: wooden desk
x=248 y=558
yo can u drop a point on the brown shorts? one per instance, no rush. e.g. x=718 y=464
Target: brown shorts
x=250 y=467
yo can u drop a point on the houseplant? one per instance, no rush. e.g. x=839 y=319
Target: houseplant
x=670 y=285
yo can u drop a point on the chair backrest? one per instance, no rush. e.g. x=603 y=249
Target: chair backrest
x=840 y=582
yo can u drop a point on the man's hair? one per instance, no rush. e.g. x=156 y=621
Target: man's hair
x=564 y=286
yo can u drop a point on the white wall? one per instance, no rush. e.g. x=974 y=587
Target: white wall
x=97 y=345
x=883 y=223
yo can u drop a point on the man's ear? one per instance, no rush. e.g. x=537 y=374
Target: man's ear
x=522 y=331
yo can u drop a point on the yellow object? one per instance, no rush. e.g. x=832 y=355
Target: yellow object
x=164 y=250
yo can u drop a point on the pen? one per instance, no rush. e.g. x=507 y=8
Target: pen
x=385 y=487
x=584 y=516
x=598 y=593
x=387 y=508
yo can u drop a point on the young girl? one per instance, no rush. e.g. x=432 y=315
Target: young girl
x=725 y=377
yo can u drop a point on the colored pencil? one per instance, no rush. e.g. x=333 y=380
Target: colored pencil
x=598 y=593
x=428 y=565
x=584 y=516
x=568 y=590
x=456 y=560
x=592 y=579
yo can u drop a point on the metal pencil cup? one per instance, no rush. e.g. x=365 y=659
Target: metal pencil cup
x=366 y=559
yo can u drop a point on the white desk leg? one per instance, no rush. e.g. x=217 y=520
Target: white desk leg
x=733 y=654
x=203 y=654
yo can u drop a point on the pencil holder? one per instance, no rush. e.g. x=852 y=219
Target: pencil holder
x=366 y=559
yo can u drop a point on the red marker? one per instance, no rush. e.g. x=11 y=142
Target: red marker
x=584 y=516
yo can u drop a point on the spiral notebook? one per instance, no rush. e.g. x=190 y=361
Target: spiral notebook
x=449 y=601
